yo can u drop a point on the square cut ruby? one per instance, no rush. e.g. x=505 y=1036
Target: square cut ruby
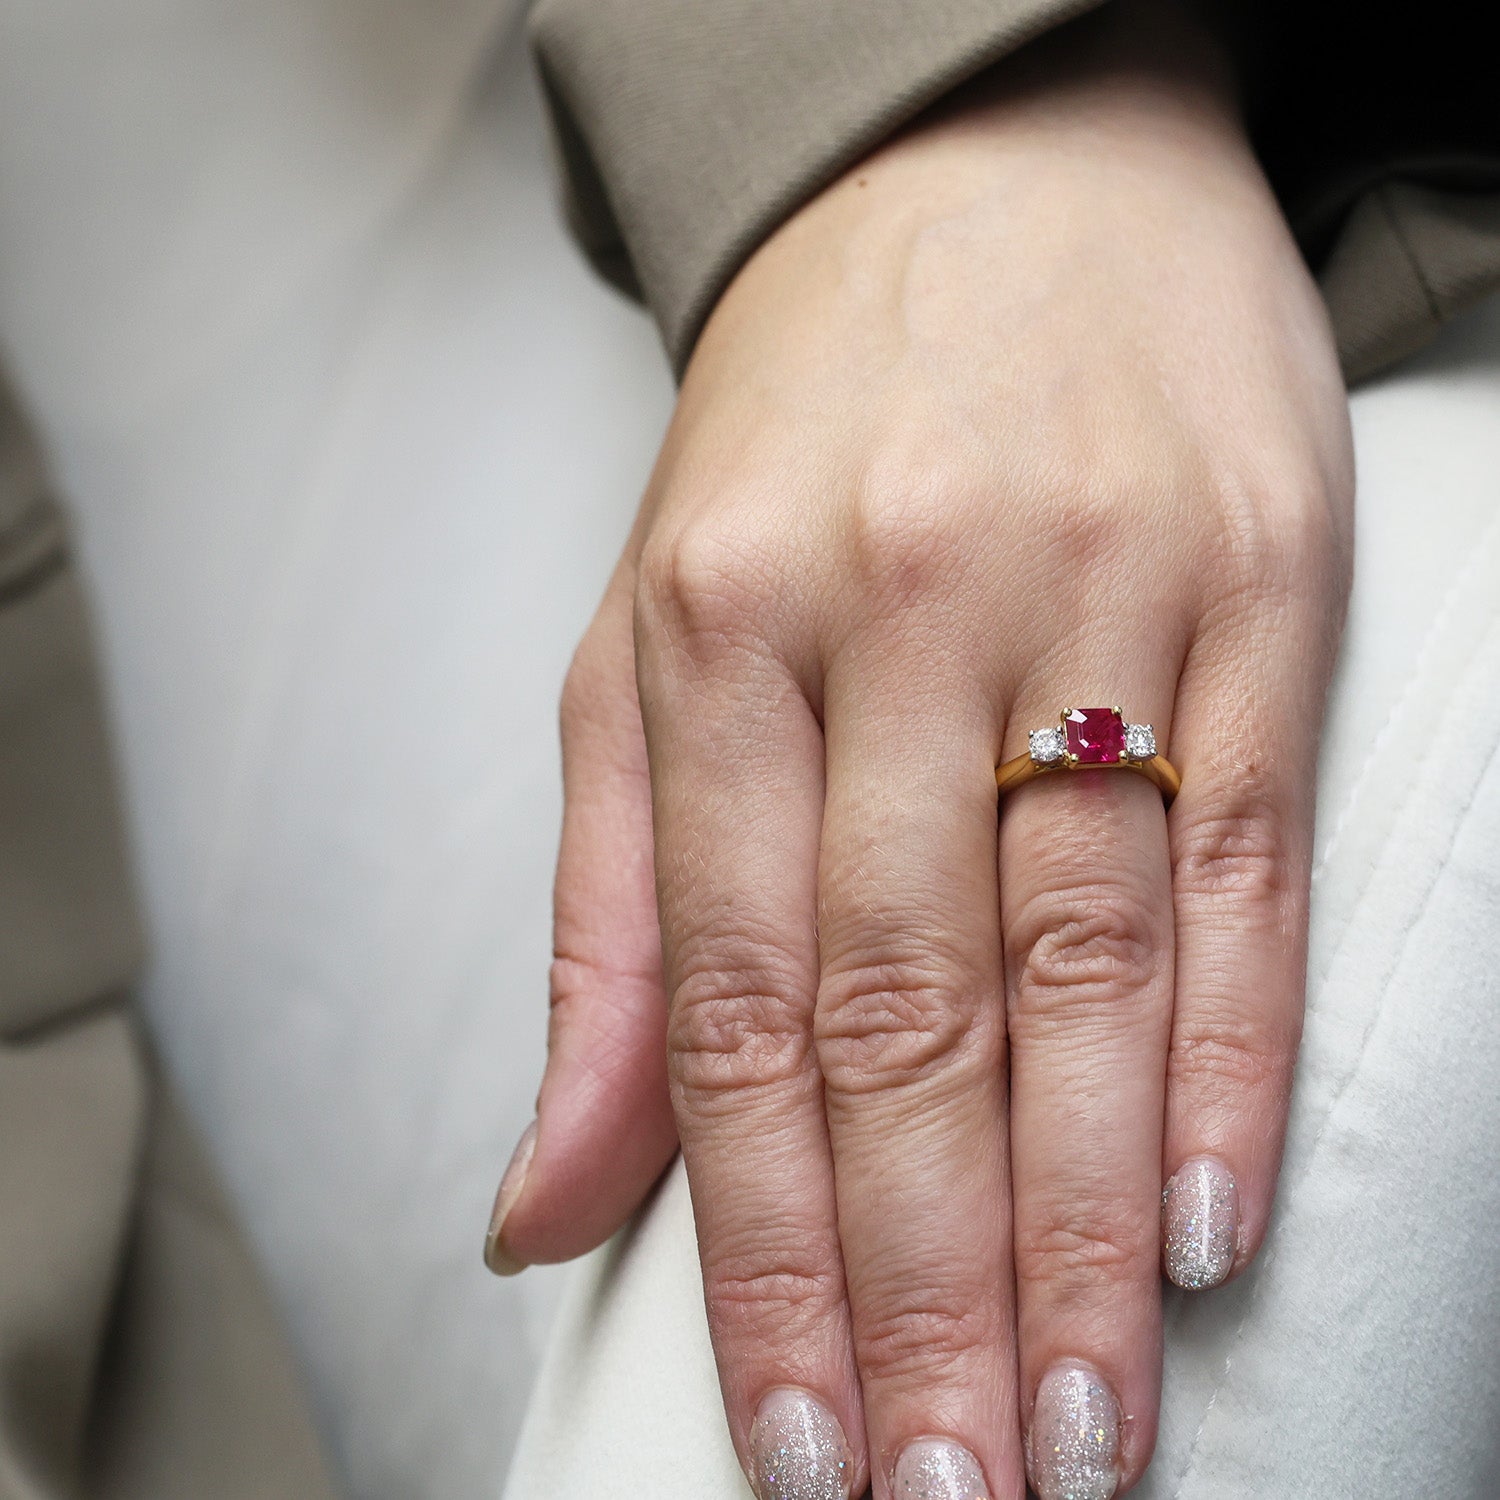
x=1096 y=736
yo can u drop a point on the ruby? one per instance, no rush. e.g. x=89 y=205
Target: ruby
x=1096 y=736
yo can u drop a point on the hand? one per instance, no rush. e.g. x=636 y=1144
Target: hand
x=1035 y=407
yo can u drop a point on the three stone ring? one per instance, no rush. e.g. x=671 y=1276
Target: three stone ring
x=1088 y=739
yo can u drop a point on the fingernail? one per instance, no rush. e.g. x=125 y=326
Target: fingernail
x=935 y=1469
x=798 y=1450
x=1200 y=1212
x=1073 y=1448
x=496 y=1256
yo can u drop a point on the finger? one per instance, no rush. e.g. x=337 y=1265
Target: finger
x=1246 y=740
x=736 y=767
x=910 y=1034
x=1086 y=910
x=604 y=1129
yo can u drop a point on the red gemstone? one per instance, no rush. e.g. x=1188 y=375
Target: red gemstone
x=1095 y=735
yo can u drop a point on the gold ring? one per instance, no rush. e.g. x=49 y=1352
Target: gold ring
x=1089 y=739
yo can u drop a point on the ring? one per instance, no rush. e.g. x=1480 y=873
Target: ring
x=1088 y=739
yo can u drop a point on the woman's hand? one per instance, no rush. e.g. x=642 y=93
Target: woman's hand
x=1035 y=408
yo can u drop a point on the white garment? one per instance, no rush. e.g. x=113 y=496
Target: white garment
x=1360 y=1356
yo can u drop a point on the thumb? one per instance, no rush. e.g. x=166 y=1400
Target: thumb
x=604 y=1131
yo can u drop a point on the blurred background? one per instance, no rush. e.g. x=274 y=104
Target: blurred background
x=351 y=438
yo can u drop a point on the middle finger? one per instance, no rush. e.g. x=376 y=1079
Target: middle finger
x=910 y=1037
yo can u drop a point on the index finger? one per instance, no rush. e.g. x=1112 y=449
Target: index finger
x=736 y=773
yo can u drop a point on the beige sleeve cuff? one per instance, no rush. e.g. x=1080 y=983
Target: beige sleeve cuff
x=689 y=130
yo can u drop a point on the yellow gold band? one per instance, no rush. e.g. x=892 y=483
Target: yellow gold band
x=1158 y=769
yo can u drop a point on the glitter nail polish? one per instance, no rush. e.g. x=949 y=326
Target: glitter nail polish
x=1200 y=1224
x=496 y=1257
x=936 y=1469
x=798 y=1450
x=1073 y=1447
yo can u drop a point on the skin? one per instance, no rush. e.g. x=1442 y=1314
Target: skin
x=1036 y=406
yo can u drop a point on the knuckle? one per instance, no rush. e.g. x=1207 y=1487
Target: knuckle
x=881 y=1025
x=1073 y=950
x=770 y=1298
x=906 y=538
x=598 y=1007
x=1086 y=529
x=1236 y=843
x=1072 y=1247
x=735 y=1029
x=606 y=986
x=577 y=984
x=1278 y=544
x=912 y=1339
x=704 y=584
x=1225 y=1061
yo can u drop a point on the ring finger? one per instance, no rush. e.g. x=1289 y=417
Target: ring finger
x=1086 y=915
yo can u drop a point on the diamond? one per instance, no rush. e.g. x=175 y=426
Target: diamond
x=1140 y=741
x=1096 y=736
x=1047 y=746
